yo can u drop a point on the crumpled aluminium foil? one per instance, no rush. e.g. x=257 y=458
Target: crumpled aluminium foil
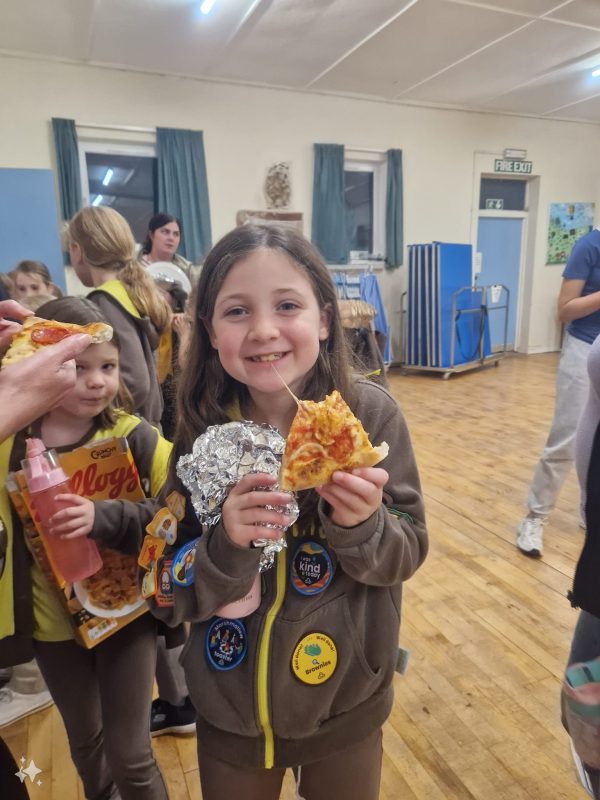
x=220 y=458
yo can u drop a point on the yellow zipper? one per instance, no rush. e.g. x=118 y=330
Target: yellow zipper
x=262 y=678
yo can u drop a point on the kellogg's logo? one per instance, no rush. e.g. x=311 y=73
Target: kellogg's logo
x=89 y=482
x=103 y=452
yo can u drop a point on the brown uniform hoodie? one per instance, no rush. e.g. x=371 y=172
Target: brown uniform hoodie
x=259 y=713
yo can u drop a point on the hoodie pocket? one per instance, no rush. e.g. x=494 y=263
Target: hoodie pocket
x=225 y=699
x=298 y=708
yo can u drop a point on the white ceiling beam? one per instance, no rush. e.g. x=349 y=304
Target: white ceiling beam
x=464 y=58
x=369 y=36
x=250 y=13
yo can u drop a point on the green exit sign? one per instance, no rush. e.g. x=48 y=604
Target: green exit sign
x=515 y=167
x=498 y=205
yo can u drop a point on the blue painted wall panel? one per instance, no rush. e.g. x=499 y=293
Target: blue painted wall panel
x=29 y=221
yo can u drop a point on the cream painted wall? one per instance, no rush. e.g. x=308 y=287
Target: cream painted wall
x=246 y=129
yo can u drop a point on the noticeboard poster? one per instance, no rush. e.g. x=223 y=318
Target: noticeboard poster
x=567 y=223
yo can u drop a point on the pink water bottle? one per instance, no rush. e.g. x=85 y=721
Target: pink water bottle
x=77 y=558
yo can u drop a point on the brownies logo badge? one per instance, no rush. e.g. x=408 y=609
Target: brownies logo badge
x=314 y=659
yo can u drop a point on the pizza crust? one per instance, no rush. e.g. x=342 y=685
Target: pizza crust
x=325 y=437
x=37 y=333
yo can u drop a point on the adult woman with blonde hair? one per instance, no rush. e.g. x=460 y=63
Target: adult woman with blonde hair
x=101 y=248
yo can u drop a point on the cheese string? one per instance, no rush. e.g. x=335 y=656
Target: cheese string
x=298 y=402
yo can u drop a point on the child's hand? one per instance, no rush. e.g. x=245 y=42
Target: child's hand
x=244 y=512
x=354 y=496
x=77 y=520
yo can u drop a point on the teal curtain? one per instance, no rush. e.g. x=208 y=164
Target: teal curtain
x=67 y=160
x=183 y=188
x=394 y=230
x=329 y=228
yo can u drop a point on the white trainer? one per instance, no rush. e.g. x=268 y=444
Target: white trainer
x=529 y=536
x=15 y=706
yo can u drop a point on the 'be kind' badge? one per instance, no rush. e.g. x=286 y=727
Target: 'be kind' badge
x=311 y=570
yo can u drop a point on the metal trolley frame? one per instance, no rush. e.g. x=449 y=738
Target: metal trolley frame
x=482 y=360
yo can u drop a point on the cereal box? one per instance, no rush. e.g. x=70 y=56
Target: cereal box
x=110 y=599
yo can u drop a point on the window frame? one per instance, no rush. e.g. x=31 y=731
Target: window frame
x=116 y=148
x=377 y=164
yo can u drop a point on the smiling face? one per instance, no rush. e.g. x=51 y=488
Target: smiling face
x=266 y=313
x=28 y=284
x=97 y=381
x=165 y=242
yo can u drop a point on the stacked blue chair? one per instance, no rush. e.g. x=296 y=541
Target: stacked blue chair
x=446 y=327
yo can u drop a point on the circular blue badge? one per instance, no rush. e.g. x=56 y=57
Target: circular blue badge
x=226 y=643
x=182 y=568
x=312 y=569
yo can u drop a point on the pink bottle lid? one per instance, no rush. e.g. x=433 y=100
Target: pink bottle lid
x=41 y=467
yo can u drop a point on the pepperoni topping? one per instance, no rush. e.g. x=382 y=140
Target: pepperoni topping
x=49 y=335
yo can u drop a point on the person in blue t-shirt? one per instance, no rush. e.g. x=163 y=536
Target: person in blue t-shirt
x=579 y=308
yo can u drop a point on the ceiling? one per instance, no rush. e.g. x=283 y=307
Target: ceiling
x=532 y=57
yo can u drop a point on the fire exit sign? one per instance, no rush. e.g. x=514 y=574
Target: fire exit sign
x=513 y=166
x=498 y=205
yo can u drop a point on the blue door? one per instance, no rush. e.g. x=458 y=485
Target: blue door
x=499 y=242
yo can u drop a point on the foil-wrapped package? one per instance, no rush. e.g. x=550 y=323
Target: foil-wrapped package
x=220 y=458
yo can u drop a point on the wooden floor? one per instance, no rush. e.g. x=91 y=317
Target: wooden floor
x=476 y=715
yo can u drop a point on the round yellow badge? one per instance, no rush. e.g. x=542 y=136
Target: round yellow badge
x=314 y=659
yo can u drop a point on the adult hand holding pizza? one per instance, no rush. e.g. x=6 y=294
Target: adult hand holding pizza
x=244 y=512
x=35 y=384
x=10 y=311
x=354 y=496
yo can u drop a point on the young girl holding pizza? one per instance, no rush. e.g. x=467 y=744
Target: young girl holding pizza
x=265 y=298
x=103 y=694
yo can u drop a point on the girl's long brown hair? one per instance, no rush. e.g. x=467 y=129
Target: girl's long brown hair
x=106 y=242
x=205 y=389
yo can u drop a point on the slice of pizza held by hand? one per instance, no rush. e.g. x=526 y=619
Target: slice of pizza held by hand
x=325 y=437
x=36 y=333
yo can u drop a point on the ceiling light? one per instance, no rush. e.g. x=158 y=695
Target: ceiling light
x=596 y=73
x=97 y=200
x=206 y=6
x=108 y=176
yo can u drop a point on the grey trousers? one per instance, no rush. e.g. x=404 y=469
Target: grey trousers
x=352 y=773
x=104 y=696
x=170 y=676
x=572 y=386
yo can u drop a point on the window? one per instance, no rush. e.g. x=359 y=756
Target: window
x=358 y=187
x=502 y=194
x=123 y=177
x=364 y=186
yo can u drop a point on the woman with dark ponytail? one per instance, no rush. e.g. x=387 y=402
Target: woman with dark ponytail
x=162 y=241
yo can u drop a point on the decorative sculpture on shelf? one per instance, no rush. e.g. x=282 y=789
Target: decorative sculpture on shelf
x=278 y=187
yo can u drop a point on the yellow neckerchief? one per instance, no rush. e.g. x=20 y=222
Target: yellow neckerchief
x=116 y=289
x=164 y=356
x=7 y=620
x=233 y=410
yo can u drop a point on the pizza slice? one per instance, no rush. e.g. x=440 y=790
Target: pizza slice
x=37 y=333
x=325 y=437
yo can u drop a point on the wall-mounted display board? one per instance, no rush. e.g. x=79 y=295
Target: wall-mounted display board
x=567 y=223
x=29 y=221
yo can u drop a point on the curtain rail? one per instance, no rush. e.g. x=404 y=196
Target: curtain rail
x=123 y=128
x=365 y=149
